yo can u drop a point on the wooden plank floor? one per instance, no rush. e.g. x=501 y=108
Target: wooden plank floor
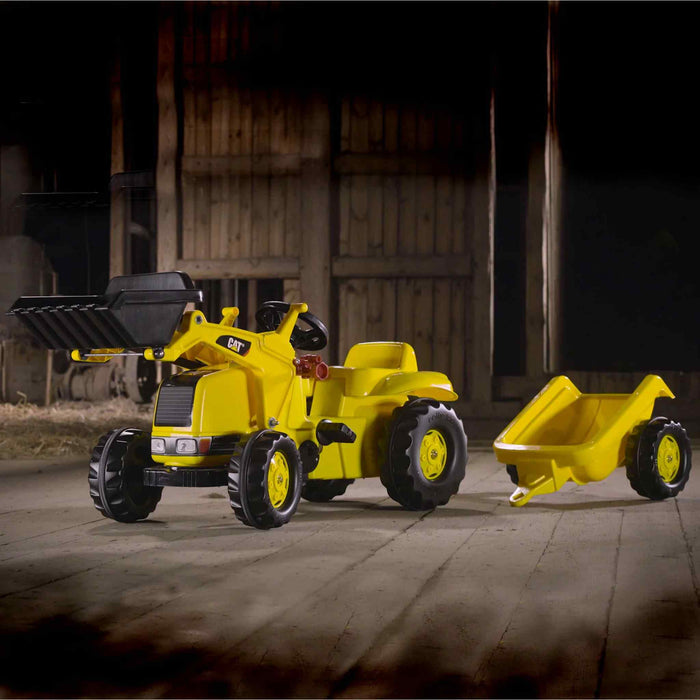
x=591 y=592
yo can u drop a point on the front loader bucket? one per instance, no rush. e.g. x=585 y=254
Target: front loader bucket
x=136 y=311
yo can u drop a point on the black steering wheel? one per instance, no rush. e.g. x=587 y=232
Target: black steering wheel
x=315 y=337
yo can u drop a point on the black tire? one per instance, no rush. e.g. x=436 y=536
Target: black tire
x=663 y=439
x=248 y=483
x=324 y=490
x=116 y=475
x=512 y=470
x=404 y=479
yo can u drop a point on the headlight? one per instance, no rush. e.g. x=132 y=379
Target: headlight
x=158 y=446
x=186 y=446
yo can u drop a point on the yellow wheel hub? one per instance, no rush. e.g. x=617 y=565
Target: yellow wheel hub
x=278 y=479
x=668 y=458
x=433 y=454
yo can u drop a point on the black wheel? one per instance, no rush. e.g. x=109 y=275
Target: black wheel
x=323 y=490
x=264 y=480
x=116 y=475
x=427 y=455
x=512 y=473
x=659 y=459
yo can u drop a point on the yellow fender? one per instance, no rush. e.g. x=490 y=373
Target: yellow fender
x=433 y=385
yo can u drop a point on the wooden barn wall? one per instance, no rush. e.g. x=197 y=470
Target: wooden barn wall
x=370 y=210
x=240 y=184
x=404 y=197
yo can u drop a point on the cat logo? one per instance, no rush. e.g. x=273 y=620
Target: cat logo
x=237 y=345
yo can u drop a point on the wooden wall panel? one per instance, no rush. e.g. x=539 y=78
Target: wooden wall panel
x=235 y=202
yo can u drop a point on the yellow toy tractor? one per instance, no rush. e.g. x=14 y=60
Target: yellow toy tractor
x=248 y=412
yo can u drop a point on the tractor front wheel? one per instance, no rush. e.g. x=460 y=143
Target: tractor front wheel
x=264 y=480
x=659 y=459
x=116 y=475
x=324 y=490
x=427 y=455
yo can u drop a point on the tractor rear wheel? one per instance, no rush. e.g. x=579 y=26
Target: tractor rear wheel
x=324 y=490
x=116 y=475
x=427 y=455
x=264 y=480
x=659 y=459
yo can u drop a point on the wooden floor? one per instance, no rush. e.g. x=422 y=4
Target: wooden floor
x=591 y=592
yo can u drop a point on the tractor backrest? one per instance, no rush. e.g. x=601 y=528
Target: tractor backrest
x=398 y=356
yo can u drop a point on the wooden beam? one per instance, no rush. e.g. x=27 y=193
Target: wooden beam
x=117 y=218
x=480 y=306
x=248 y=164
x=402 y=266
x=553 y=196
x=397 y=164
x=243 y=268
x=315 y=253
x=166 y=192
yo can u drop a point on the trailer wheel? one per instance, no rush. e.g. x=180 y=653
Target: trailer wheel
x=659 y=459
x=512 y=470
x=116 y=475
x=264 y=480
x=324 y=490
x=427 y=455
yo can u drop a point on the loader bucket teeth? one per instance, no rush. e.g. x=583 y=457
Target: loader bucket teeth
x=135 y=311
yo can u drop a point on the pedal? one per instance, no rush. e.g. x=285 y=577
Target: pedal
x=328 y=432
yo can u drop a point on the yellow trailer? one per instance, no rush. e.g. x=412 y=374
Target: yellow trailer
x=564 y=435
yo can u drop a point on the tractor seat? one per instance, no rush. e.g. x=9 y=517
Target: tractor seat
x=367 y=364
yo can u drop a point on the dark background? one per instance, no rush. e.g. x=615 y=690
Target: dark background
x=627 y=119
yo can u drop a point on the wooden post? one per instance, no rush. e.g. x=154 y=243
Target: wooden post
x=480 y=349
x=166 y=192
x=543 y=232
x=315 y=253
x=553 y=195
x=117 y=215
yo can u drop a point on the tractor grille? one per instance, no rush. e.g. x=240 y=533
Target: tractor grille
x=175 y=406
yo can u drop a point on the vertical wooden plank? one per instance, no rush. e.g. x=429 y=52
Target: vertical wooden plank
x=355 y=308
x=389 y=310
x=359 y=143
x=375 y=308
x=443 y=214
x=189 y=147
x=343 y=343
x=245 y=182
x=251 y=325
x=166 y=193
x=315 y=257
x=292 y=291
x=407 y=215
x=441 y=331
x=391 y=127
x=218 y=52
x=407 y=184
x=117 y=216
x=375 y=242
x=202 y=248
x=461 y=229
x=390 y=214
x=277 y=182
x=345 y=110
x=480 y=351
x=458 y=296
x=292 y=212
x=404 y=310
x=261 y=183
x=425 y=205
x=423 y=322
x=344 y=215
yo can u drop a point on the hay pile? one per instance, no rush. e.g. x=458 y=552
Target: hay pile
x=65 y=428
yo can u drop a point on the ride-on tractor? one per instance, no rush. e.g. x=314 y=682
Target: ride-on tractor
x=248 y=412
